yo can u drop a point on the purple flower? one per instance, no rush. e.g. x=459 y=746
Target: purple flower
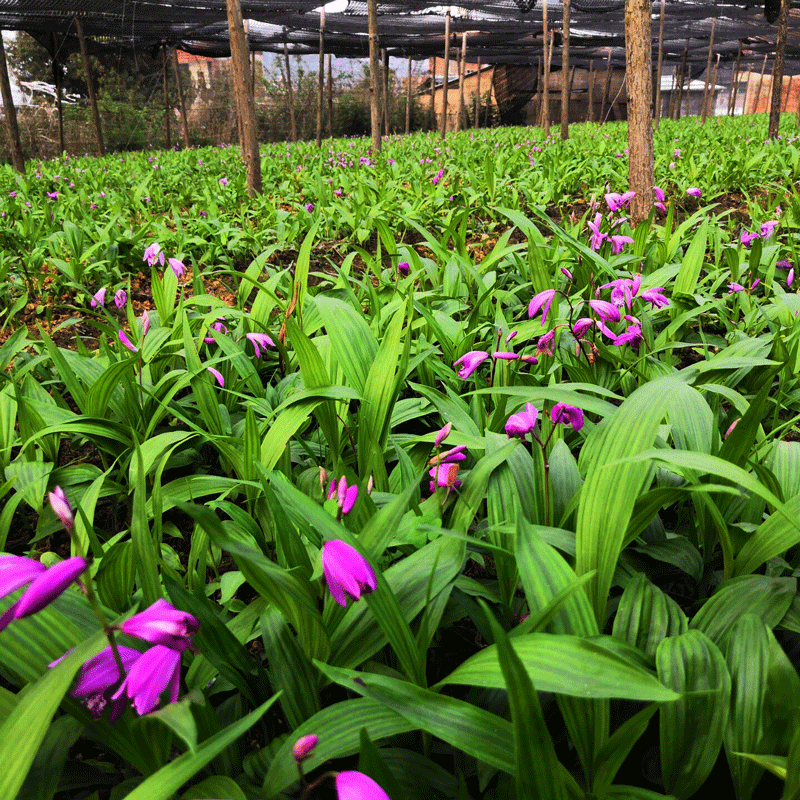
x=217 y=376
x=567 y=274
x=616 y=201
x=223 y=181
x=618 y=242
x=153 y=254
x=790 y=279
x=403 y=268
x=469 y=362
x=177 y=267
x=347 y=572
x=16 y=571
x=784 y=263
x=162 y=624
x=746 y=237
x=60 y=504
x=735 y=287
x=449 y=456
x=52 y=195
x=567 y=415
x=352 y=785
x=46 y=586
x=623 y=290
x=631 y=336
x=608 y=312
x=309 y=207
x=126 y=342
x=693 y=191
x=544 y=347
x=218 y=326
x=345 y=495
x=304 y=747
x=505 y=355
x=442 y=434
x=99 y=298
x=581 y=326
x=542 y=301
x=597 y=238
x=120 y=298
x=655 y=297
x=155 y=670
x=659 y=193
x=444 y=476
x=99 y=678
x=522 y=422
x=768 y=228
x=258 y=341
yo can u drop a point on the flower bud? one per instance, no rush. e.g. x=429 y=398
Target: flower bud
x=304 y=747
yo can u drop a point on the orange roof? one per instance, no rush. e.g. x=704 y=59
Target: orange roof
x=187 y=58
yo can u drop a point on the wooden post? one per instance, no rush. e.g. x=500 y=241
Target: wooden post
x=711 y=95
x=87 y=70
x=682 y=79
x=290 y=92
x=408 y=98
x=461 y=66
x=735 y=81
x=374 y=110
x=385 y=79
x=606 y=90
x=330 y=94
x=777 y=72
x=10 y=113
x=477 y=121
x=489 y=100
x=546 y=54
x=639 y=72
x=244 y=97
x=321 y=75
x=59 y=104
x=590 y=88
x=760 y=84
x=565 y=90
x=432 y=107
x=703 y=110
x=659 y=67
x=539 y=90
x=672 y=93
x=446 y=70
x=253 y=73
x=165 y=76
x=181 y=98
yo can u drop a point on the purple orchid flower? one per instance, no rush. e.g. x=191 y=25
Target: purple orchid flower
x=567 y=415
x=768 y=228
x=618 y=242
x=469 y=362
x=217 y=376
x=177 y=267
x=542 y=300
x=126 y=342
x=259 y=341
x=153 y=255
x=597 y=238
x=608 y=312
x=632 y=336
x=655 y=297
x=155 y=670
x=346 y=571
x=162 y=624
x=352 y=785
x=442 y=434
x=99 y=298
x=444 y=476
x=345 y=495
x=304 y=747
x=746 y=238
x=120 y=298
x=616 y=201
x=523 y=422
x=403 y=269
x=61 y=507
x=693 y=191
x=99 y=678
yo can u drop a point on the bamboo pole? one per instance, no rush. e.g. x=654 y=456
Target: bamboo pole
x=181 y=98
x=321 y=76
x=606 y=90
x=408 y=98
x=777 y=72
x=330 y=94
x=87 y=69
x=10 y=113
x=165 y=81
x=446 y=70
x=374 y=110
x=682 y=79
x=566 y=91
x=59 y=104
x=735 y=79
x=244 y=96
x=290 y=92
x=703 y=110
x=639 y=76
x=385 y=81
x=659 y=67
x=461 y=66
x=477 y=120
x=546 y=53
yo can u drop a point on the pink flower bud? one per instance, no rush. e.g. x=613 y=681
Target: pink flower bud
x=304 y=747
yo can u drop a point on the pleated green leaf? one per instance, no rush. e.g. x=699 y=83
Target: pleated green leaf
x=45 y=773
x=370 y=762
x=692 y=728
x=146 y=554
x=566 y=665
x=215 y=786
x=772 y=537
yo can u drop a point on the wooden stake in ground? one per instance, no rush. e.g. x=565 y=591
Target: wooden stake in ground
x=735 y=82
x=777 y=72
x=59 y=104
x=165 y=77
x=244 y=96
x=87 y=70
x=546 y=55
x=385 y=79
x=704 y=109
x=408 y=98
x=321 y=75
x=10 y=113
x=374 y=110
x=712 y=95
x=659 y=66
x=446 y=70
x=606 y=90
x=330 y=95
x=682 y=80
x=566 y=91
x=760 y=84
x=432 y=106
x=461 y=66
x=639 y=76
x=181 y=98
x=290 y=92
x=477 y=120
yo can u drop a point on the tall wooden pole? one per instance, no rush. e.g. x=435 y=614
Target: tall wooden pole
x=682 y=79
x=446 y=70
x=181 y=98
x=639 y=72
x=87 y=69
x=546 y=54
x=57 y=81
x=777 y=72
x=321 y=75
x=659 y=67
x=712 y=95
x=566 y=90
x=461 y=67
x=408 y=98
x=672 y=93
x=760 y=84
x=432 y=107
x=735 y=81
x=540 y=90
x=244 y=96
x=703 y=110
x=385 y=81
x=10 y=113
x=374 y=110
x=290 y=91
x=477 y=120
x=489 y=99
x=330 y=94
x=606 y=90
x=165 y=81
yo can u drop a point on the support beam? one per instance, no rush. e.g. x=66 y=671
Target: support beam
x=639 y=76
x=477 y=120
x=408 y=98
x=57 y=81
x=546 y=55
x=374 y=110
x=566 y=90
x=321 y=76
x=777 y=72
x=181 y=98
x=167 y=111
x=703 y=110
x=659 y=68
x=461 y=124
x=735 y=81
x=87 y=70
x=244 y=96
x=385 y=80
x=446 y=70
x=290 y=91
x=10 y=113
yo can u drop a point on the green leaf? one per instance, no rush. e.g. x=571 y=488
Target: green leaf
x=179 y=719
x=45 y=773
x=372 y=764
x=215 y=786
x=772 y=537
